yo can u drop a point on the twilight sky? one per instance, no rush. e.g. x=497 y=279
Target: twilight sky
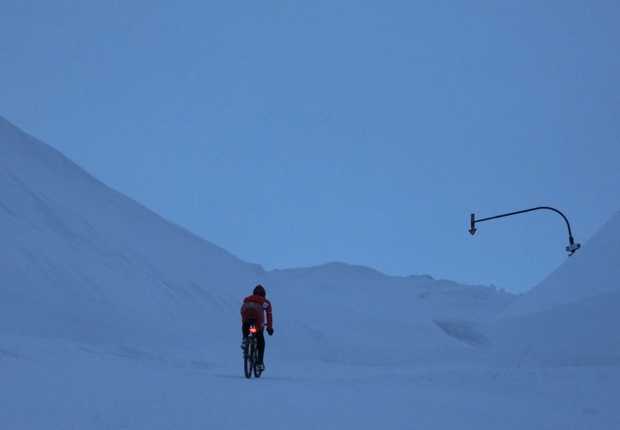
x=298 y=133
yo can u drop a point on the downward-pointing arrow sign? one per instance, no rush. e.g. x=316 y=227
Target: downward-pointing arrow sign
x=473 y=221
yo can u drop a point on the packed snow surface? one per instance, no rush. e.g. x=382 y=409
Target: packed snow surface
x=113 y=317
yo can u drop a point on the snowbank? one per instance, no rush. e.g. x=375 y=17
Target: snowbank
x=573 y=316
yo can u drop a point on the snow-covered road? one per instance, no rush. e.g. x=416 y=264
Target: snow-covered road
x=66 y=385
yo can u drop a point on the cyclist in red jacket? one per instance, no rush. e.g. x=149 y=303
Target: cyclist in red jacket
x=256 y=306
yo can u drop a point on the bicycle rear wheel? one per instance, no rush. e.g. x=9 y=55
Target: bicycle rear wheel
x=257 y=371
x=248 y=357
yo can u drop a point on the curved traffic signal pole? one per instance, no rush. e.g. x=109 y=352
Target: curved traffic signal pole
x=572 y=247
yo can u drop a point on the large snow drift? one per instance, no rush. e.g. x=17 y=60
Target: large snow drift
x=572 y=316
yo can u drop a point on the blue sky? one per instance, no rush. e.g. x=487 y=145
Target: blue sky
x=299 y=133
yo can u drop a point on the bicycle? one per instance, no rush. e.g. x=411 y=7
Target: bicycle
x=250 y=352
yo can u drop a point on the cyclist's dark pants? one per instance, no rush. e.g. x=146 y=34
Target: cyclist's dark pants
x=260 y=338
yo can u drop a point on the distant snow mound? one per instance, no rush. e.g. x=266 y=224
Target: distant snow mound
x=573 y=316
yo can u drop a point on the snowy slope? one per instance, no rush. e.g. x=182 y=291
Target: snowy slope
x=83 y=262
x=591 y=272
x=573 y=316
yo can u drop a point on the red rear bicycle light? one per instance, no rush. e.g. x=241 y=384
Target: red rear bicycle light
x=253 y=330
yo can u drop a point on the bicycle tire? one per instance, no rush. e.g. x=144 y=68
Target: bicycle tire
x=257 y=371
x=248 y=359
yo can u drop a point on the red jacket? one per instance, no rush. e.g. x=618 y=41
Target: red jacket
x=257 y=306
